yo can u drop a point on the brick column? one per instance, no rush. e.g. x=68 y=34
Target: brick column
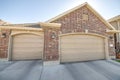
x=51 y=41
x=111 y=45
x=4 y=43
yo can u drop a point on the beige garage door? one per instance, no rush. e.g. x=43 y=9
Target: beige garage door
x=81 y=48
x=27 y=46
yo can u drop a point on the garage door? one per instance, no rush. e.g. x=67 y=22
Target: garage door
x=27 y=46
x=81 y=48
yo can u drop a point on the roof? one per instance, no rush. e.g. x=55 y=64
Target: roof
x=3 y=22
x=32 y=25
x=114 y=18
x=90 y=8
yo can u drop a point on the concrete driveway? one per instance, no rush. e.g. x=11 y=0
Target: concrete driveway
x=33 y=70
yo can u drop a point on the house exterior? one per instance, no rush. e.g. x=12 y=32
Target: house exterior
x=25 y=41
x=115 y=22
x=79 y=34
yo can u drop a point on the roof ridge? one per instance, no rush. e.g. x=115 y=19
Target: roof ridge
x=66 y=12
x=89 y=7
x=114 y=18
x=21 y=24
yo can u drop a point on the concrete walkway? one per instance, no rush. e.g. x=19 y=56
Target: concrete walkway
x=33 y=70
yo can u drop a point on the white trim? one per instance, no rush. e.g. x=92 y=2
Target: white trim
x=21 y=28
x=82 y=33
x=106 y=49
x=9 y=48
x=49 y=63
x=113 y=31
x=19 y=33
x=50 y=25
x=114 y=18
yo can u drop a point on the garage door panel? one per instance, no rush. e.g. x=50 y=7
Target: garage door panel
x=83 y=56
x=78 y=46
x=84 y=41
x=27 y=35
x=32 y=45
x=78 y=58
x=80 y=53
x=81 y=48
x=22 y=57
x=29 y=51
x=27 y=46
x=68 y=37
x=76 y=41
x=28 y=40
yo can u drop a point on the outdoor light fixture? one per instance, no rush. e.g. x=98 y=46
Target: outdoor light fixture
x=53 y=35
x=111 y=37
x=86 y=30
x=3 y=35
x=111 y=45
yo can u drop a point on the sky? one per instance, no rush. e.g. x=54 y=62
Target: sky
x=31 y=11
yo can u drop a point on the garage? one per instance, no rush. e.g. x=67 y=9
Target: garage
x=81 y=47
x=27 y=46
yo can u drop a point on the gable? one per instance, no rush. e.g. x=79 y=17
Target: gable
x=116 y=18
x=78 y=8
x=3 y=22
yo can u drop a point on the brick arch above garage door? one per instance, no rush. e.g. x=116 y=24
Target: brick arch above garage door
x=27 y=46
x=82 y=47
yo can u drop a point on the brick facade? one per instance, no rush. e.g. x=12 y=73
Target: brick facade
x=74 y=22
x=51 y=44
x=79 y=20
x=4 y=43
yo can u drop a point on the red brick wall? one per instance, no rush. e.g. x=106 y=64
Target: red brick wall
x=4 y=43
x=111 y=49
x=51 y=44
x=73 y=22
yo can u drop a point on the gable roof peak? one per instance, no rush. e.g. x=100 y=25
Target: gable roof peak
x=67 y=12
x=114 y=18
x=90 y=8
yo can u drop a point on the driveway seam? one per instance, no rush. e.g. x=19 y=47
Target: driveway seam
x=41 y=72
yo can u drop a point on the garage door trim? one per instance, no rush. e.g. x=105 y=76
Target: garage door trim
x=78 y=33
x=92 y=34
x=20 y=33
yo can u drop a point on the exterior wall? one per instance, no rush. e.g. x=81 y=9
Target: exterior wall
x=51 y=44
x=111 y=46
x=4 y=43
x=116 y=24
x=72 y=22
x=75 y=22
